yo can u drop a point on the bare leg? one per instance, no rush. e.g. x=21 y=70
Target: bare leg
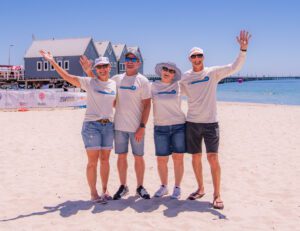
x=178 y=168
x=215 y=172
x=139 y=166
x=197 y=166
x=162 y=167
x=122 y=168
x=104 y=168
x=91 y=171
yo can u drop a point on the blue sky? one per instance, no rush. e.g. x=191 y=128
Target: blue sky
x=164 y=30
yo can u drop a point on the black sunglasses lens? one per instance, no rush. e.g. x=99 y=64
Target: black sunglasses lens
x=197 y=55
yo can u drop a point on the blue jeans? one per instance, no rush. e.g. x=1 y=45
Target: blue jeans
x=169 y=139
x=97 y=136
x=122 y=141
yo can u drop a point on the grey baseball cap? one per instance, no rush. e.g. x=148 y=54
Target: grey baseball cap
x=133 y=52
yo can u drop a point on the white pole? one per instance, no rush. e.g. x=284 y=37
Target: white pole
x=9 y=53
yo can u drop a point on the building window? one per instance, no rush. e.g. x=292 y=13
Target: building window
x=66 y=65
x=39 y=66
x=52 y=67
x=46 y=66
x=122 y=67
x=59 y=62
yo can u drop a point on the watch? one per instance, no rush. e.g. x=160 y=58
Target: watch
x=142 y=125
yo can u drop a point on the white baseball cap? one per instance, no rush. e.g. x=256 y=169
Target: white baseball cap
x=101 y=61
x=196 y=50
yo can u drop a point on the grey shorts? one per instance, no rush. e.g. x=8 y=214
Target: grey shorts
x=196 y=132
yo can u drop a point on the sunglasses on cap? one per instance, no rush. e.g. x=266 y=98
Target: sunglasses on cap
x=171 y=71
x=128 y=59
x=196 y=55
x=104 y=66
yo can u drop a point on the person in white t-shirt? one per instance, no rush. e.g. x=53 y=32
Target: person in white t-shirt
x=169 y=126
x=132 y=113
x=98 y=128
x=200 y=85
x=133 y=106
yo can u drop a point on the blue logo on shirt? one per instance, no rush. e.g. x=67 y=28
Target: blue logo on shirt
x=206 y=78
x=107 y=93
x=133 y=88
x=173 y=92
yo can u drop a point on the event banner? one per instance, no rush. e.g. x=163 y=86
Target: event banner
x=10 y=99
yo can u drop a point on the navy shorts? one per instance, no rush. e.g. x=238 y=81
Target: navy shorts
x=169 y=139
x=97 y=136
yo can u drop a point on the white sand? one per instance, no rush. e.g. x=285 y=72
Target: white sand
x=43 y=184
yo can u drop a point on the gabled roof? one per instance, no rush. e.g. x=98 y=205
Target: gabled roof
x=59 y=47
x=102 y=47
x=118 y=49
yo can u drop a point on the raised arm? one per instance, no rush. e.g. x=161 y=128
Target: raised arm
x=86 y=65
x=227 y=70
x=72 y=79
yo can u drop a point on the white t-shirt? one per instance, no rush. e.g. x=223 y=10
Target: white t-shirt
x=166 y=104
x=100 y=98
x=201 y=90
x=131 y=90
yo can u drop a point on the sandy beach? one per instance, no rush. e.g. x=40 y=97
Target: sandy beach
x=43 y=184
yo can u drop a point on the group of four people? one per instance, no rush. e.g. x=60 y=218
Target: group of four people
x=174 y=133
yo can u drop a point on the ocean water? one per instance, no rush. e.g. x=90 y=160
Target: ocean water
x=267 y=91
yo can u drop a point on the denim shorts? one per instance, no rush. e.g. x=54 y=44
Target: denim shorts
x=122 y=141
x=169 y=139
x=97 y=136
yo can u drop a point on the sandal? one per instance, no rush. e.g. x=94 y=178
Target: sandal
x=106 y=197
x=195 y=195
x=217 y=204
x=99 y=200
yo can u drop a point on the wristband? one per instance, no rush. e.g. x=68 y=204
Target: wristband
x=142 y=125
x=244 y=50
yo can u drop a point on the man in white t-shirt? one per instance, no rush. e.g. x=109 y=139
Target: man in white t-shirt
x=132 y=112
x=200 y=86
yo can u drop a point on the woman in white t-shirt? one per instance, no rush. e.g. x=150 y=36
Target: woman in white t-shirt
x=98 y=128
x=169 y=126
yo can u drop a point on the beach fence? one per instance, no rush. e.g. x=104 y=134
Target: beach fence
x=44 y=98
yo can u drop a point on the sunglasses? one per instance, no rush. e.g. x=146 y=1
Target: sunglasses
x=171 y=71
x=104 y=66
x=197 y=55
x=128 y=59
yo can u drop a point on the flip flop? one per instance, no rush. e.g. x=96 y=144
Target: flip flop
x=106 y=197
x=195 y=195
x=218 y=204
x=99 y=200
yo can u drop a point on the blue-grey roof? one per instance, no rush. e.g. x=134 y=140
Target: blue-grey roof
x=59 y=47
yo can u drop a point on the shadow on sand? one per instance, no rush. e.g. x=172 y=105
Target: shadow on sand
x=173 y=207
